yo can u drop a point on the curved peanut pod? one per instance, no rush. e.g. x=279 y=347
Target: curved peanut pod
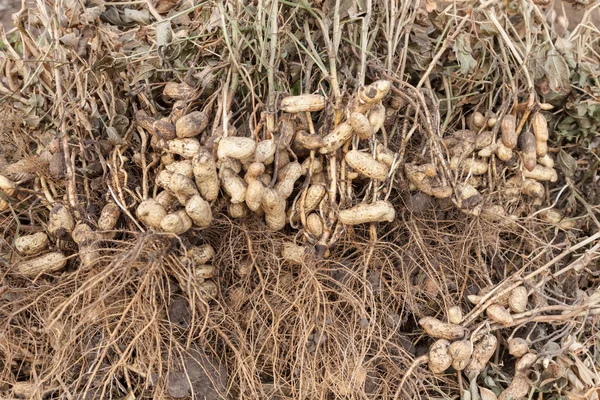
x=177 y=111
x=49 y=262
x=317 y=166
x=151 y=213
x=178 y=222
x=336 y=139
x=302 y=103
x=503 y=152
x=461 y=352
x=178 y=91
x=236 y=147
x=499 y=314
x=254 y=194
x=508 y=128
x=286 y=133
x=191 y=125
x=145 y=121
x=186 y=147
x=527 y=146
x=233 y=185
x=484 y=139
x=274 y=206
x=287 y=177
x=385 y=155
x=205 y=174
x=31 y=244
x=199 y=211
x=540 y=173
x=307 y=141
x=183 y=167
x=546 y=161
x=441 y=330
x=366 y=165
x=109 y=216
x=379 y=211
x=377 y=117
x=533 y=189
x=265 y=150
x=469 y=165
x=86 y=239
x=166 y=199
x=539 y=126
x=361 y=125
x=518 y=389
x=477 y=119
x=60 y=221
x=482 y=352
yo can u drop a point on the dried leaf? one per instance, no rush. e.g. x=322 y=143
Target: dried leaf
x=462 y=49
x=141 y=17
x=567 y=163
x=557 y=71
x=163 y=34
x=164 y=6
x=430 y=5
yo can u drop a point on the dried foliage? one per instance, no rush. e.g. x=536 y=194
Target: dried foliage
x=279 y=199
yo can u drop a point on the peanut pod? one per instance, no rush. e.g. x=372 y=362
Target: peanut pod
x=366 y=165
x=379 y=211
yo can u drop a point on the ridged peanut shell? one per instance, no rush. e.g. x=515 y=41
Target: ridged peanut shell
x=302 y=103
x=151 y=213
x=31 y=244
x=528 y=153
x=439 y=356
x=186 y=147
x=183 y=167
x=518 y=389
x=236 y=147
x=541 y=174
x=287 y=177
x=273 y=205
x=293 y=253
x=204 y=169
x=164 y=129
x=191 y=125
x=314 y=224
x=178 y=91
x=201 y=254
x=178 y=222
x=361 y=125
x=60 y=221
x=265 y=150
x=109 y=216
x=336 y=139
x=47 y=263
x=518 y=347
x=455 y=315
x=199 y=211
x=461 y=352
x=518 y=299
x=499 y=314
x=366 y=165
x=376 y=117
x=508 y=131
x=482 y=352
x=441 y=330
x=379 y=211
x=233 y=185
x=539 y=125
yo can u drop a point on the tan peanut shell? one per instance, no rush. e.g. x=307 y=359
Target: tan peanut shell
x=540 y=173
x=164 y=129
x=469 y=165
x=376 y=117
x=178 y=222
x=302 y=103
x=478 y=120
x=183 y=167
x=265 y=150
x=145 y=121
x=371 y=94
x=487 y=151
x=273 y=205
x=201 y=254
x=238 y=210
x=205 y=271
x=208 y=290
x=191 y=125
x=508 y=128
x=455 y=315
x=315 y=194
x=178 y=91
x=31 y=244
x=524 y=363
x=518 y=347
x=527 y=146
x=484 y=139
x=167 y=200
x=518 y=299
x=254 y=194
x=461 y=352
x=151 y=213
x=539 y=125
x=236 y=147
x=49 y=262
x=499 y=314
x=182 y=187
x=109 y=216
x=439 y=356
x=283 y=159
x=304 y=140
x=233 y=185
x=199 y=211
x=366 y=165
x=546 y=161
x=361 y=125
x=336 y=139
x=379 y=211
x=314 y=225
x=286 y=178
x=186 y=147
x=293 y=253
x=504 y=153
x=518 y=389
x=533 y=189
x=178 y=111
x=482 y=352
x=205 y=174
x=441 y=330
x=60 y=221
x=7 y=186
x=317 y=166
x=86 y=239
x=385 y=155
x=491 y=122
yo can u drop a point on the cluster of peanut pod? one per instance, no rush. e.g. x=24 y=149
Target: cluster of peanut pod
x=199 y=172
x=453 y=347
